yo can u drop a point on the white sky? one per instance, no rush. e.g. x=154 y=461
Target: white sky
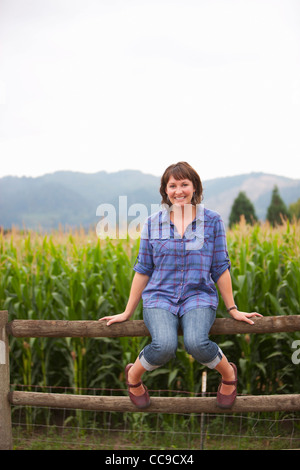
x=90 y=85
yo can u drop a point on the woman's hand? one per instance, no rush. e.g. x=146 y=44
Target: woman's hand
x=243 y=316
x=115 y=318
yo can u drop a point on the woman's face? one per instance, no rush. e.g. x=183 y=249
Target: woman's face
x=180 y=192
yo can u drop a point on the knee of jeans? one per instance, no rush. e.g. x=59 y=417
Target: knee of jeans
x=199 y=349
x=163 y=351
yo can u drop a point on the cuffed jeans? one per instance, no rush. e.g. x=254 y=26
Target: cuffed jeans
x=163 y=328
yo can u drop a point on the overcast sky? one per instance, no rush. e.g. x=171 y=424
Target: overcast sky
x=90 y=85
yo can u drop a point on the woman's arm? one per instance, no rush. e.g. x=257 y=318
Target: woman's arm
x=139 y=283
x=225 y=287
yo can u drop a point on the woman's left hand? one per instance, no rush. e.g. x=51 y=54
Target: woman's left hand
x=243 y=316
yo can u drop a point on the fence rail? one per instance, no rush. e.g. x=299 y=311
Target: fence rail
x=97 y=329
x=61 y=328
x=173 y=405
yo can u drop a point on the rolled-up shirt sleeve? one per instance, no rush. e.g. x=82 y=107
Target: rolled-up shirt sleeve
x=220 y=261
x=144 y=262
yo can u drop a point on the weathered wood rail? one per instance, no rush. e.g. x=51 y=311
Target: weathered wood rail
x=243 y=404
x=97 y=329
x=62 y=328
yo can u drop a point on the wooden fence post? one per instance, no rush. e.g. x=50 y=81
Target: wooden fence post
x=5 y=409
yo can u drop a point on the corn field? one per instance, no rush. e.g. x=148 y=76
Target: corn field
x=75 y=276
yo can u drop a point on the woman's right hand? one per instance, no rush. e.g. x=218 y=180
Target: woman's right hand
x=115 y=318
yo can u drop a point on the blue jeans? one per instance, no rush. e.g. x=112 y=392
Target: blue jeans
x=163 y=328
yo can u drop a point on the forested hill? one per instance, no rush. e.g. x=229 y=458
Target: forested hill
x=71 y=198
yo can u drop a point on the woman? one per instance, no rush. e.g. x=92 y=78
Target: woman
x=182 y=255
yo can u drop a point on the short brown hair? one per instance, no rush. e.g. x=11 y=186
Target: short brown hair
x=181 y=171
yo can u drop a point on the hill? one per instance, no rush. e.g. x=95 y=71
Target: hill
x=220 y=193
x=71 y=198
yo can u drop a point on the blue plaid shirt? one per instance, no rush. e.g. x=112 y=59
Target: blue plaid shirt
x=182 y=271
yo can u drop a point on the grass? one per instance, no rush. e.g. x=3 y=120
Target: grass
x=258 y=435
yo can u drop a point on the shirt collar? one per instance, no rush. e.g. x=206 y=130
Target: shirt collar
x=165 y=216
x=191 y=231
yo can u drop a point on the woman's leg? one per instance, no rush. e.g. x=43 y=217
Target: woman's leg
x=196 y=325
x=227 y=372
x=163 y=329
x=134 y=376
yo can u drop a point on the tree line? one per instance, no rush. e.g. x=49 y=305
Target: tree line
x=276 y=214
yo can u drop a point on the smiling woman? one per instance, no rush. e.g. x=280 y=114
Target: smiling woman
x=177 y=285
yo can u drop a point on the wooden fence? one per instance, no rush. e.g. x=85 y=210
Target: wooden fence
x=61 y=328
